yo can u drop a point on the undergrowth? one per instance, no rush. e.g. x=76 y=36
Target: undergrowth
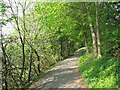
x=99 y=73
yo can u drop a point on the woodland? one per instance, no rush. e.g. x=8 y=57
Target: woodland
x=48 y=32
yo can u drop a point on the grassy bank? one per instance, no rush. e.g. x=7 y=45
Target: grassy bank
x=99 y=73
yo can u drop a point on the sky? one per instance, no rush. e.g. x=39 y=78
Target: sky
x=8 y=29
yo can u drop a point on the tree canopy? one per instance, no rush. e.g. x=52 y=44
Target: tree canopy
x=51 y=31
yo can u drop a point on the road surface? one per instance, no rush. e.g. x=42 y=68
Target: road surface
x=64 y=75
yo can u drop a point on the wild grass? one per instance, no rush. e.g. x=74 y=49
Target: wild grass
x=99 y=73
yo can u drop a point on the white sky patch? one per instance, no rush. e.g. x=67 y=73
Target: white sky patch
x=8 y=28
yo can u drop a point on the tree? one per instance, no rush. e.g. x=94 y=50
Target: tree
x=98 y=34
x=93 y=33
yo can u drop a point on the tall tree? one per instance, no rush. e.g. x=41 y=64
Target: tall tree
x=92 y=32
x=98 y=34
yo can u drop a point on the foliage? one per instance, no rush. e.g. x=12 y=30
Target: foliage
x=100 y=73
x=50 y=32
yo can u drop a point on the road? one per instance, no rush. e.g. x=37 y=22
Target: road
x=64 y=75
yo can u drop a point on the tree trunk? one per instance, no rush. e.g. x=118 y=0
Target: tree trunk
x=93 y=36
x=23 y=45
x=38 y=58
x=98 y=34
x=93 y=39
x=68 y=50
x=6 y=84
x=4 y=61
x=61 y=49
x=22 y=70
x=30 y=65
x=35 y=70
x=22 y=39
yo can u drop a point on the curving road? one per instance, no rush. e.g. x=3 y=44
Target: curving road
x=64 y=75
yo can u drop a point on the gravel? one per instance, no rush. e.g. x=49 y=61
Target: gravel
x=64 y=75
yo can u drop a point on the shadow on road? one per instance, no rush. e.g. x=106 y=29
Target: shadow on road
x=64 y=75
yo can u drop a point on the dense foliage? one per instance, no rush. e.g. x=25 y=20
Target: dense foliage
x=50 y=31
x=100 y=73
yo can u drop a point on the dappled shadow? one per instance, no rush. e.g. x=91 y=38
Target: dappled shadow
x=60 y=78
x=64 y=75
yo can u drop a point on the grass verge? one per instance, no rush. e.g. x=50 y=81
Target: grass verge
x=99 y=73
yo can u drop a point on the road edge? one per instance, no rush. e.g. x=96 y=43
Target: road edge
x=81 y=80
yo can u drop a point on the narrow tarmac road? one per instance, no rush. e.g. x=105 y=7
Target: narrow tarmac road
x=64 y=75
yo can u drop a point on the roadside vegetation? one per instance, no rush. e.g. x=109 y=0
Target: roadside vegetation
x=99 y=73
x=47 y=32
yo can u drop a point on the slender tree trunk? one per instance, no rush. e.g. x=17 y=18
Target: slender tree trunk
x=23 y=54
x=6 y=84
x=22 y=70
x=61 y=49
x=38 y=58
x=4 y=61
x=35 y=69
x=68 y=50
x=30 y=65
x=98 y=34
x=22 y=39
x=93 y=36
x=93 y=39
x=22 y=42
x=61 y=45
x=92 y=32
x=70 y=47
